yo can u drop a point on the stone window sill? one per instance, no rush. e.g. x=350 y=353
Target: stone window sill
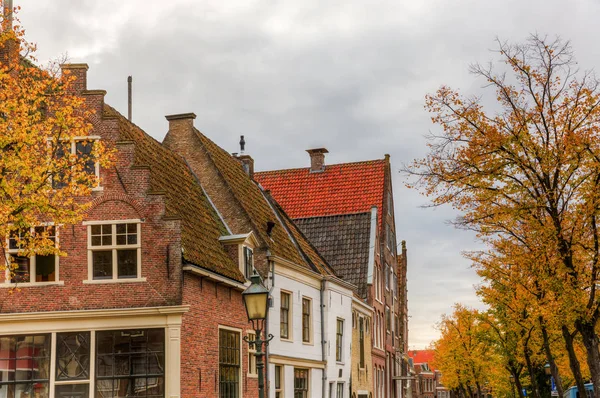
x=123 y=280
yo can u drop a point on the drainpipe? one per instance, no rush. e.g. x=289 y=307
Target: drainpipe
x=271 y=265
x=323 y=341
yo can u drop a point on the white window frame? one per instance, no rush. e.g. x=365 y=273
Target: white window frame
x=114 y=248
x=32 y=263
x=281 y=389
x=252 y=371
x=290 y=317
x=310 y=320
x=341 y=342
x=73 y=142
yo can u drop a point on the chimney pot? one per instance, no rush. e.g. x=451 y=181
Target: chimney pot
x=317 y=159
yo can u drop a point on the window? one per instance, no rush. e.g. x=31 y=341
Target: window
x=37 y=268
x=339 y=340
x=81 y=148
x=388 y=319
x=340 y=390
x=248 y=262
x=114 y=250
x=229 y=364
x=130 y=363
x=251 y=355
x=306 y=320
x=284 y=322
x=25 y=366
x=387 y=277
x=278 y=381
x=390 y=202
x=361 y=341
x=300 y=383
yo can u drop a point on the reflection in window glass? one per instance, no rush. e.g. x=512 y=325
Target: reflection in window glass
x=130 y=363
x=24 y=365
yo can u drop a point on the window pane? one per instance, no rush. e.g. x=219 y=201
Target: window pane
x=229 y=364
x=121 y=228
x=138 y=357
x=21 y=270
x=72 y=391
x=127 y=263
x=83 y=149
x=72 y=356
x=102 y=264
x=25 y=365
x=45 y=268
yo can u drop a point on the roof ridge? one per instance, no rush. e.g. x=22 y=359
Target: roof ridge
x=326 y=166
x=333 y=215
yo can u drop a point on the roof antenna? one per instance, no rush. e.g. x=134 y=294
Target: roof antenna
x=242 y=144
x=129 y=80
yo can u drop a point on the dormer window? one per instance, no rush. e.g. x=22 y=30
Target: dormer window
x=248 y=262
x=241 y=250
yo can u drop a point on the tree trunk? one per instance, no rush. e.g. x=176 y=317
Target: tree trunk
x=478 y=386
x=519 y=387
x=535 y=392
x=590 y=341
x=573 y=361
x=550 y=358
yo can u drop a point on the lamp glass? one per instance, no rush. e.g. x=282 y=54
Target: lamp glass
x=256 y=305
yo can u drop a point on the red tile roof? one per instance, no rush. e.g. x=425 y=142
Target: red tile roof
x=344 y=188
x=422 y=356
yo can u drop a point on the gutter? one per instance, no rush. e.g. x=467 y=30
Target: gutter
x=323 y=341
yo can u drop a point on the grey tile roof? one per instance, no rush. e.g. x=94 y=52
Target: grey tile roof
x=343 y=241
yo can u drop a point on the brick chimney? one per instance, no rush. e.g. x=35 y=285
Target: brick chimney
x=248 y=164
x=317 y=159
x=9 y=50
x=80 y=73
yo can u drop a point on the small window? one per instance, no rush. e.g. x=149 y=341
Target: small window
x=361 y=340
x=388 y=319
x=284 y=323
x=301 y=383
x=81 y=150
x=248 y=262
x=339 y=340
x=252 y=355
x=115 y=250
x=36 y=268
x=340 y=390
x=387 y=277
x=306 y=320
x=279 y=381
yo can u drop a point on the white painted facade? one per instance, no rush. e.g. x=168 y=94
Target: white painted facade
x=288 y=354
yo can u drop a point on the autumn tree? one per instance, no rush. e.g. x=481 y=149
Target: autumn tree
x=460 y=353
x=529 y=168
x=44 y=177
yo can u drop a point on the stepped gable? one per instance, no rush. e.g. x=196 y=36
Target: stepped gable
x=185 y=199
x=259 y=210
x=343 y=240
x=345 y=188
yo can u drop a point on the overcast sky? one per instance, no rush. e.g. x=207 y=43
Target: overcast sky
x=347 y=75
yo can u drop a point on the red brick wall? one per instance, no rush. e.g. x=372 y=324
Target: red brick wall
x=124 y=196
x=211 y=305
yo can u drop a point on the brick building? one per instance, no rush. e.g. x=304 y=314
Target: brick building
x=425 y=382
x=326 y=200
x=147 y=300
x=311 y=310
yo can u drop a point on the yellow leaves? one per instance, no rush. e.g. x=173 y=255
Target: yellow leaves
x=42 y=123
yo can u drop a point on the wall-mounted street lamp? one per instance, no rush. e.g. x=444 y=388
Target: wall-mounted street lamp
x=256 y=299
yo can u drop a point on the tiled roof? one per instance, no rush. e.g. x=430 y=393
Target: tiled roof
x=201 y=226
x=345 y=188
x=344 y=242
x=258 y=209
x=422 y=356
